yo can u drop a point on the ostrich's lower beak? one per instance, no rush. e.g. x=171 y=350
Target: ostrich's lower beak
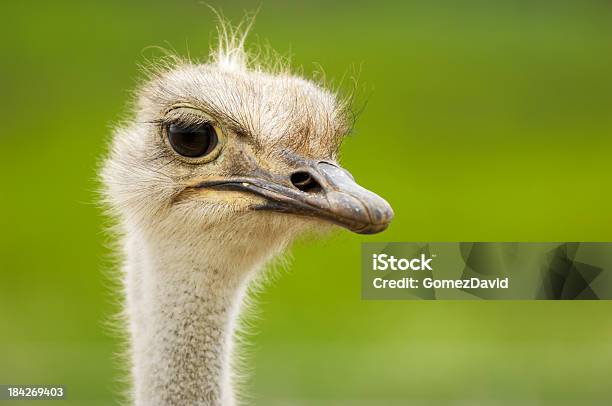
x=319 y=189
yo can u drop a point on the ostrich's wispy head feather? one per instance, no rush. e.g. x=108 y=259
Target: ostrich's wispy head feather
x=230 y=53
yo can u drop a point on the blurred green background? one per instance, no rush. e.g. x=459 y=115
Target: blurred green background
x=485 y=121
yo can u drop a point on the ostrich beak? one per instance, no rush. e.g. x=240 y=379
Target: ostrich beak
x=318 y=189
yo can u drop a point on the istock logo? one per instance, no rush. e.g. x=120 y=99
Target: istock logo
x=384 y=262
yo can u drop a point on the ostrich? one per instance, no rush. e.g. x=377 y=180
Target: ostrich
x=222 y=166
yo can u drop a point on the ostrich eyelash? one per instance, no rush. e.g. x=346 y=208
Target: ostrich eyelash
x=186 y=120
x=183 y=119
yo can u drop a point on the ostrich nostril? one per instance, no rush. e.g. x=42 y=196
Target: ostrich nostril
x=305 y=182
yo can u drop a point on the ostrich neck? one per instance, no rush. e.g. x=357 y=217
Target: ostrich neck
x=182 y=306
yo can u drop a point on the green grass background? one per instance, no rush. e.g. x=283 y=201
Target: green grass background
x=485 y=121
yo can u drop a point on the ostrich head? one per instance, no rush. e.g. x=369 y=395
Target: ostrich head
x=230 y=151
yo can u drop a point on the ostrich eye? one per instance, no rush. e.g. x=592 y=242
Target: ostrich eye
x=192 y=141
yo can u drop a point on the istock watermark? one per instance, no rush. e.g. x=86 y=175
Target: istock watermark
x=383 y=262
x=486 y=270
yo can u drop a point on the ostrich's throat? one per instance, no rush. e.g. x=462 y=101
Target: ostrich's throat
x=182 y=311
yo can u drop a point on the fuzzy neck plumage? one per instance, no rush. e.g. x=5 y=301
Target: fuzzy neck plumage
x=182 y=305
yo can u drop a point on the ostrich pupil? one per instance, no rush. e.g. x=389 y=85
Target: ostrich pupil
x=192 y=141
